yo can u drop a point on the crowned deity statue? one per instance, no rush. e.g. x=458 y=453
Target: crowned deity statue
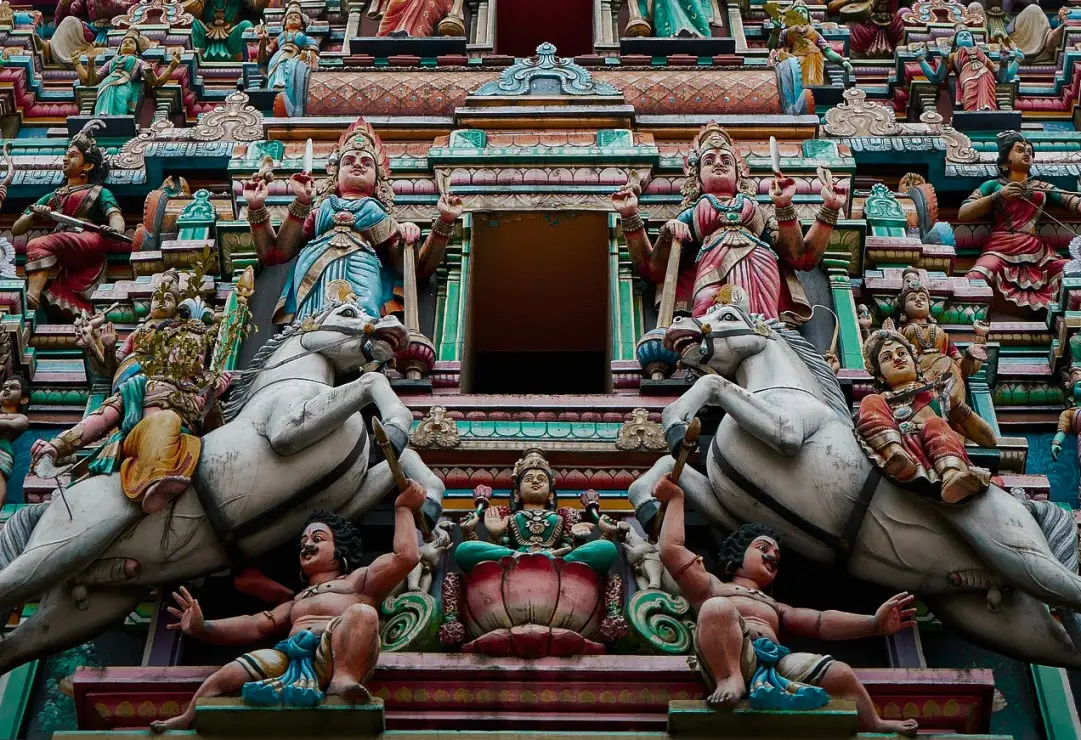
x=976 y=74
x=874 y=26
x=349 y=235
x=292 y=46
x=118 y=80
x=903 y=427
x=733 y=241
x=155 y=416
x=795 y=38
x=415 y=18
x=740 y=625
x=219 y=32
x=940 y=359
x=534 y=523
x=76 y=253
x=1024 y=271
x=329 y=631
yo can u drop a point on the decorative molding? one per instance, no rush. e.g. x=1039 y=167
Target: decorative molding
x=857 y=116
x=436 y=430
x=519 y=78
x=639 y=433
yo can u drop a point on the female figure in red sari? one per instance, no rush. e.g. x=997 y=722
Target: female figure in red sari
x=1021 y=268
x=902 y=430
x=734 y=241
x=976 y=73
x=416 y=18
x=77 y=256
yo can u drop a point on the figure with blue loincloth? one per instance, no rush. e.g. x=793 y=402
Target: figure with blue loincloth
x=348 y=234
x=329 y=631
x=739 y=652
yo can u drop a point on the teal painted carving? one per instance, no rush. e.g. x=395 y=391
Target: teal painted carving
x=660 y=623
x=882 y=209
x=820 y=148
x=411 y=622
x=546 y=75
x=259 y=149
x=615 y=138
x=468 y=138
x=200 y=212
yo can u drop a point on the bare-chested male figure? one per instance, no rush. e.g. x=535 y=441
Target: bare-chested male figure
x=339 y=606
x=732 y=614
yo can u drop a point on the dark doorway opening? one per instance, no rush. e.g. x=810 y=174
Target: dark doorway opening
x=523 y=25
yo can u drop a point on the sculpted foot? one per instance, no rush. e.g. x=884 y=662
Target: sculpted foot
x=352 y=691
x=728 y=692
x=958 y=485
x=904 y=727
x=164 y=491
x=179 y=722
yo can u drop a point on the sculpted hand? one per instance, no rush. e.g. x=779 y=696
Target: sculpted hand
x=450 y=207
x=468 y=524
x=1012 y=190
x=625 y=202
x=678 y=230
x=781 y=191
x=189 y=615
x=255 y=192
x=495 y=523
x=41 y=449
x=410 y=232
x=303 y=187
x=581 y=530
x=834 y=195
x=1056 y=448
x=895 y=615
x=176 y=57
x=611 y=529
x=665 y=490
x=921 y=53
x=412 y=497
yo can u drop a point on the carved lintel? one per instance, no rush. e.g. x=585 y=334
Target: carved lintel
x=639 y=433
x=437 y=431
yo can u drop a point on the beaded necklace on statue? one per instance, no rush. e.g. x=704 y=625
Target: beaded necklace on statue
x=925 y=335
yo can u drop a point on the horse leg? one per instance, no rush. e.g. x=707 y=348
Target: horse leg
x=1006 y=537
x=696 y=487
x=379 y=480
x=1021 y=628
x=60 y=623
x=305 y=423
x=774 y=425
x=61 y=547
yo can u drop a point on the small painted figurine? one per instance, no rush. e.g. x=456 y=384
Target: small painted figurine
x=1022 y=269
x=13 y=399
x=1069 y=421
x=728 y=238
x=349 y=236
x=330 y=629
x=939 y=358
x=874 y=26
x=795 y=37
x=292 y=47
x=119 y=78
x=219 y=32
x=976 y=74
x=416 y=18
x=154 y=418
x=736 y=639
x=78 y=257
x=533 y=524
x=902 y=428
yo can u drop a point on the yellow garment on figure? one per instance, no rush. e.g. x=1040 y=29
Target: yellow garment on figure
x=155 y=449
x=804 y=45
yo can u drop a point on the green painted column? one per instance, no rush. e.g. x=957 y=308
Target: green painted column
x=1057 y=710
x=625 y=329
x=15 y=697
x=850 y=349
x=451 y=302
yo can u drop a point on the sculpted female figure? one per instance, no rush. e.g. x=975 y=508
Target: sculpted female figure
x=350 y=235
x=1015 y=261
x=292 y=47
x=533 y=524
x=938 y=357
x=118 y=80
x=794 y=36
x=976 y=73
x=416 y=18
x=732 y=239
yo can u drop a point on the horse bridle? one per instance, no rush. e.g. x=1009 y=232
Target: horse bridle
x=706 y=349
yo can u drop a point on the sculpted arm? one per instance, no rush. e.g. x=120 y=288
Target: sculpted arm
x=241 y=630
x=650 y=260
x=686 y=568
x=271 y=248
x=431 y=252
x=894 y=615
x=979 y=204
x=391 y=569
x=799 y=251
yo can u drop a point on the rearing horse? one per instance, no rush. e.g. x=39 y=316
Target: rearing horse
x=293 y=443
x=785 y=454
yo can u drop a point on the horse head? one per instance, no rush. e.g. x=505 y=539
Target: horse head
x=719 y=340
x=350 y=338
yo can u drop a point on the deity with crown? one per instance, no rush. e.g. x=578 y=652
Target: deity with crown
x=733 y=240
x=158 y=409
x=348 y=234
x=533 y=523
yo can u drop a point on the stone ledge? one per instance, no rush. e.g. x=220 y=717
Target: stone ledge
x=695 y=718
x=229 y=717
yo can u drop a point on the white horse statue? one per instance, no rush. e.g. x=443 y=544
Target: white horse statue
x=293 y=443
x=785 y=454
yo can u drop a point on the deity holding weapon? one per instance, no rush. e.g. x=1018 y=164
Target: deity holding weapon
x=78 y=246
x=1022 y=269
x=330 y=629
x=738 y=625
x=938 y=357
x=292 y=46
x=347 y=234
x=795 y=38
x=161 y=402
x=976 y=74
x=731 y=238
x=118 y=80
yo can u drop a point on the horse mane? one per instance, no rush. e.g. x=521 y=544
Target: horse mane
x=812 y=358
x=242 y=388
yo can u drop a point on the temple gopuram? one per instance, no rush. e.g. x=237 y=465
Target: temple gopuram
x=493 y=369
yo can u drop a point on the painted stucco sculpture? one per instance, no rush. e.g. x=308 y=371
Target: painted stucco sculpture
x=795 y=41
x=976 y=74
x=118 y=81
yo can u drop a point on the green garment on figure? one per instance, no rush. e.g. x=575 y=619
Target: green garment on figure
x=209 y=35
x=679 y=17
x=119 y=89
x=598 y=554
